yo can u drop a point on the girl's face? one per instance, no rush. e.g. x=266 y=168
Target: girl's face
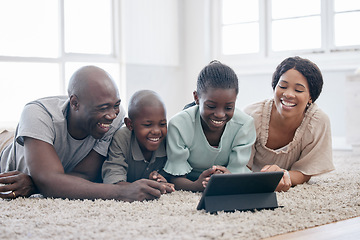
x=216 y=107
x=292 y=94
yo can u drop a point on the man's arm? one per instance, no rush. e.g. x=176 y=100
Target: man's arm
x=48 y=175
x=90 y=167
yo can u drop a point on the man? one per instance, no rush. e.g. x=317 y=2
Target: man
x=61 y=142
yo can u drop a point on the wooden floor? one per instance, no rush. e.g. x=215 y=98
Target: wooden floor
x=347 y=229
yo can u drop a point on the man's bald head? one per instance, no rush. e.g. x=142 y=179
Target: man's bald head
x=141 y=99
x=86 y=77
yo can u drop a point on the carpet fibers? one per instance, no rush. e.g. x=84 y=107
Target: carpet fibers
x=327 y=198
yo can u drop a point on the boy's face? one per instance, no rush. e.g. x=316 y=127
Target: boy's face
x=216 y=108
x=150 y=128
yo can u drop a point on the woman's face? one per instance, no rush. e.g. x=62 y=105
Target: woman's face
x=216 y=107
x=292 y=94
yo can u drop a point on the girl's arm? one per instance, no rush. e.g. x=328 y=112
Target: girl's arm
x=182 y=183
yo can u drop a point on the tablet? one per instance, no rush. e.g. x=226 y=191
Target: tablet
x=241 y=191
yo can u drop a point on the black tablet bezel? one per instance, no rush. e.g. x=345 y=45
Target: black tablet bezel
x=240 y=183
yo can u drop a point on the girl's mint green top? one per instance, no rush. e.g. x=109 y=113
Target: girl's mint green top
x=189 y=152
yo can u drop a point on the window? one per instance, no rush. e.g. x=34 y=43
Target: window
x=346 y=18
x=240 y=29
x=292 y=22
x=44 y=41
x=263 y=29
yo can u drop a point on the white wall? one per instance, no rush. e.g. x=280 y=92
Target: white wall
x=174 y=73
x=168 y=66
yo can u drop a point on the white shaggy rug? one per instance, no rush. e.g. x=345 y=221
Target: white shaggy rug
x=331 y=197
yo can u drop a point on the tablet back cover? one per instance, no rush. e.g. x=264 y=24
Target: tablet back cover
x=240 y=183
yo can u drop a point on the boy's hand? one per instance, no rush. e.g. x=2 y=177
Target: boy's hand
x=169 y=187
x=154 y=175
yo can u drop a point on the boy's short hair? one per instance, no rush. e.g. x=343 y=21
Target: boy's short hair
x=141 y=99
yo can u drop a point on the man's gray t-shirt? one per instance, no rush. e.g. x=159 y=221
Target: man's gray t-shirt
x=45 y=120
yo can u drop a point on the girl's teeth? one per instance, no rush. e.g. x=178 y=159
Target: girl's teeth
x=217 y=122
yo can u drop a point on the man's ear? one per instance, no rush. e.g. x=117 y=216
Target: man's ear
x=74 y=102
x=128 y=123
x=196 y=97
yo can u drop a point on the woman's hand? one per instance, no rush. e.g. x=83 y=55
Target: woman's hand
x=285 y=182
x=17 y=184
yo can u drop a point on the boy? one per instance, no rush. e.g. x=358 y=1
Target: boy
x=138 y=150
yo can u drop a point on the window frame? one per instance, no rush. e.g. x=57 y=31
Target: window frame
x=328 y=57
x=64 y=58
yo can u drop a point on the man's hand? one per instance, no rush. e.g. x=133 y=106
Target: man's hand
x=143 y=189
x=285 y=182
x=17 y=184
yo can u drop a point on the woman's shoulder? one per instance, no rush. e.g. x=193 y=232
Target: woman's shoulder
x=316 y=116
x=260 y=111
x=258 y=108
x=315 y=124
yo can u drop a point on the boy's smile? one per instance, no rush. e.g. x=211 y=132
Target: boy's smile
x=150 y=128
